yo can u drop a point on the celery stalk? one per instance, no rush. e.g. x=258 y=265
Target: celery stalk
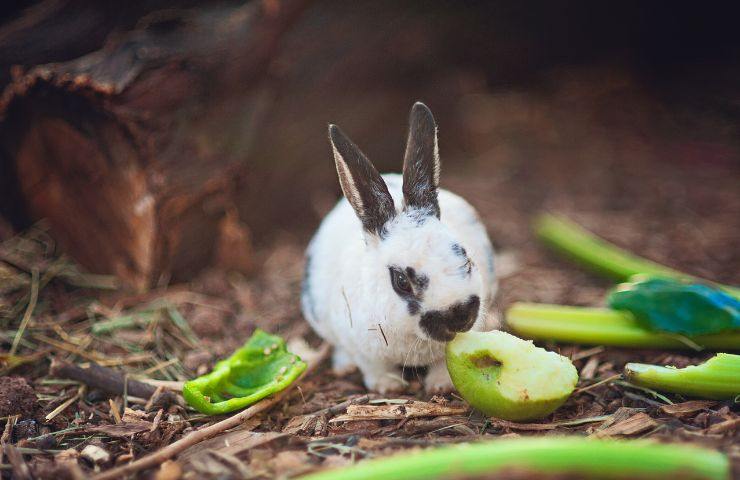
x=601 y=326
x=718 y=378
x=604 y=257
x=549 y=456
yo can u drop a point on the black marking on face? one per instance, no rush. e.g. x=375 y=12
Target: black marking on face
x=413 y=306
x=460 y=251
x=420 y=281
x=442 y=325
x=410 y=286
x=419 y=215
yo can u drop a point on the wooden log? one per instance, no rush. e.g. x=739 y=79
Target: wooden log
x=132 y=151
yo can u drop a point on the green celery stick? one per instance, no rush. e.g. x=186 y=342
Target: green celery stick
x=601 y=326
x=550 y=456
x=604 y=257
x=718 y=378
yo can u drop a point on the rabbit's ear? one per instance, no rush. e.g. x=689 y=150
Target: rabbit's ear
x=421 y=161
x=361 y=183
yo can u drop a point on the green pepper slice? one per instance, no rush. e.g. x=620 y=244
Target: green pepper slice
x=261 y=367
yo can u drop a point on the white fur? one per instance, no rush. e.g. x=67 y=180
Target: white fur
x=349 y=300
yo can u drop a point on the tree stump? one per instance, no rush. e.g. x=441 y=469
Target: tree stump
x=131 y=152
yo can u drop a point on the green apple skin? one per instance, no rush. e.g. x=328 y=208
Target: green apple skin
x=479 y=381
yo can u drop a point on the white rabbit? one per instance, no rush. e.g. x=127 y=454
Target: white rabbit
x=399 y=266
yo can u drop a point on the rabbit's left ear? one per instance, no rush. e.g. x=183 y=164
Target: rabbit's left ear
x=421 y=161
x=361 y=183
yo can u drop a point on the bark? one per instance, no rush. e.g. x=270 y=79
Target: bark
x=132 y=151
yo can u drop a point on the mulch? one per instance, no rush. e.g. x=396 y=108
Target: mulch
x=670 y=197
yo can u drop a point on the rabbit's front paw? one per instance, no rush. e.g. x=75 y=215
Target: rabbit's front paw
x=382 y=379
x=438 y=379
x=387 y=384
x=342 y=362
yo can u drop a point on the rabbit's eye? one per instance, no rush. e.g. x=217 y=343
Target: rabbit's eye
x=400 y=282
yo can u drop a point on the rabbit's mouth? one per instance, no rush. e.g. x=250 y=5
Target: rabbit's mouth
x=443 y=325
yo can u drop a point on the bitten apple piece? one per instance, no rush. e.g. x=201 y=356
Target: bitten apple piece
x=506 y=377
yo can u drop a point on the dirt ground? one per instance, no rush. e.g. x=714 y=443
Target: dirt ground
x=658 y=178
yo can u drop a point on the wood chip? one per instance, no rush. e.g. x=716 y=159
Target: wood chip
x=726 y=426
x=622 y=413
x=587 y=353
x=588 y=372
x=412 y=409
x=685 y=409
x=301 y=424
x=539 y=427
x=123 y=429
x=95 y=454
x=531 y=427
x=169 y=470
x=637 y=423
x=230 y=443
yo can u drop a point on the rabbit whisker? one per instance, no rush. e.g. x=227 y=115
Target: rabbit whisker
x=410 y=351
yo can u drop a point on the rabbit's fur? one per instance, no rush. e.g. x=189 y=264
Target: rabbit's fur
x=388 y=227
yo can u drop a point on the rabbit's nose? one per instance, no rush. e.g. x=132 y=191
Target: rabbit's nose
x=442 y=325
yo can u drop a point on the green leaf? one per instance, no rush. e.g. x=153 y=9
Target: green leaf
x=666 y=305
x=263 y=366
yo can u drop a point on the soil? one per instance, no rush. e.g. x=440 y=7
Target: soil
x=657 y=178
x=17 y=398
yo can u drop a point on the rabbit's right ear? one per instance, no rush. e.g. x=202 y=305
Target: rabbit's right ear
x=361 y=183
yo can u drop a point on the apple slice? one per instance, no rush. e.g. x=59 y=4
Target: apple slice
x=506 y=377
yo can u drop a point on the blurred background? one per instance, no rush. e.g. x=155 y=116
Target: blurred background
x=162 y=137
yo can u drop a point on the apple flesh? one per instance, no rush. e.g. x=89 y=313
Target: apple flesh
x=506 y=377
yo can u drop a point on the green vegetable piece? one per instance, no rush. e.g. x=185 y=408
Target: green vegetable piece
x=506 y=377
x=602 y=326
x=678 y=307
x=566 y=457
x=263 y=366
x=718 y=378
x=602 y=256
